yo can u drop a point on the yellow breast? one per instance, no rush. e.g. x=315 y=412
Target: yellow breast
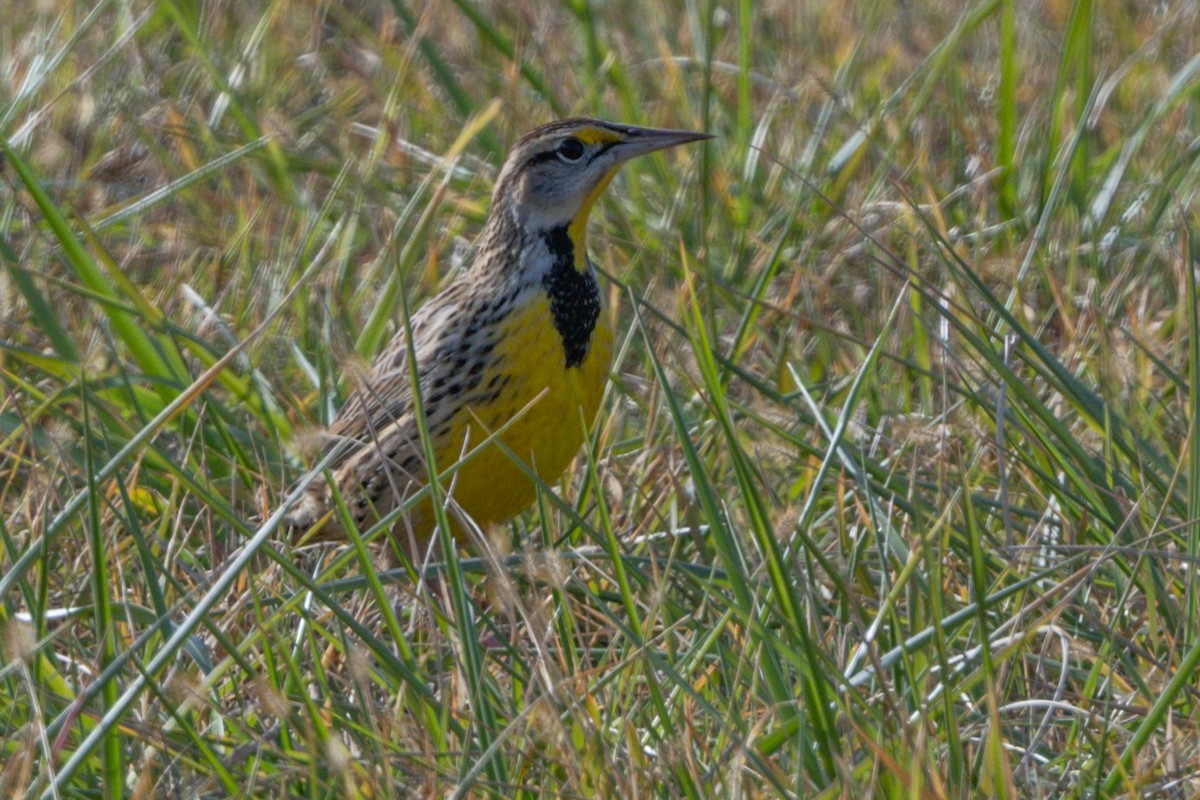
x=546 y=405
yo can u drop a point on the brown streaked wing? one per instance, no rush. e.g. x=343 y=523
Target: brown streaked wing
x=386 y=397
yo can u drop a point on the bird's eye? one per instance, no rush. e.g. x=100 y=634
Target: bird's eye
x=570 y=150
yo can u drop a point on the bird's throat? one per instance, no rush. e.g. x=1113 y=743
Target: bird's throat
x=577 y=229
x=573 y=292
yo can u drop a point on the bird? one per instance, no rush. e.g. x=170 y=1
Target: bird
x=519 y=343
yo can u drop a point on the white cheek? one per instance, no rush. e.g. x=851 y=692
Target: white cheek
x=544 y=216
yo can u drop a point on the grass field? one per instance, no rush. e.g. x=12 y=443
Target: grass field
x=895 y=492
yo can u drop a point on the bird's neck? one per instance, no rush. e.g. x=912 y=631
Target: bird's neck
x=508 y=224
x=561 y=243
x=570 y=285
x=577 y=228
x=553 y=260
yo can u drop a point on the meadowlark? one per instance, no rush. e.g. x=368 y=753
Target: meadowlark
x=519 y=343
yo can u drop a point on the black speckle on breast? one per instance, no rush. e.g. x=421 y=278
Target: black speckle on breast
x=574 y=297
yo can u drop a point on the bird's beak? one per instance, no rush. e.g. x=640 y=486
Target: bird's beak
x=639 y=141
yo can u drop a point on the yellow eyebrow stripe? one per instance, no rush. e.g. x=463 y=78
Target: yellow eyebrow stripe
x=595 y=136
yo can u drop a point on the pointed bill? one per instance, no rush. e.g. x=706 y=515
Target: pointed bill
x=639 y=141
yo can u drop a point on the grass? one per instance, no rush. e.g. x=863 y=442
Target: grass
x=895 y=491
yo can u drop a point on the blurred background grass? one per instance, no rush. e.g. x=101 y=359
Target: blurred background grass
x=895 y=493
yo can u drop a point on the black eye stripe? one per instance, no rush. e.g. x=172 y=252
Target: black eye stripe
x=551 y=155
x=541 y=158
